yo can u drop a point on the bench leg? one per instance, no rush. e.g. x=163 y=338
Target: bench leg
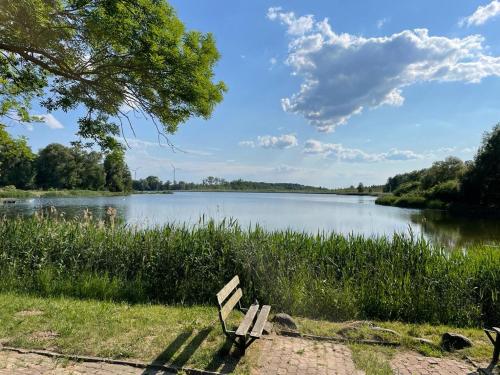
x=496 y=353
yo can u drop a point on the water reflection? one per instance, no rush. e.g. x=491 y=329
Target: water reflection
x=456 y=230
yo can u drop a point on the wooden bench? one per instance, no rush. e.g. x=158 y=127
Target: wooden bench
x=496 y=348
x=252 y=325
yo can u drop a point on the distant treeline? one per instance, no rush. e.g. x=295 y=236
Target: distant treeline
x=60 y=167
x=451 y=183
x=153 y=183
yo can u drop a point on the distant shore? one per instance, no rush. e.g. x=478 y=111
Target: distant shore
x=65 y=193
x=23 y=194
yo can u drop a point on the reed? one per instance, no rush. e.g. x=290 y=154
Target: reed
x=329 y=276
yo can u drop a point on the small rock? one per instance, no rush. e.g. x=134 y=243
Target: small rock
x=284 y=320
x=268 y=328
x=451 y=341
x=421 y=340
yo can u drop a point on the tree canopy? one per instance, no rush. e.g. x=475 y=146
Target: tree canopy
x=452 y=181
x=16 y=161
x=109 y=57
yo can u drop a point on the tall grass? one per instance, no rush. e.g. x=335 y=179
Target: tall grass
x=323 y=276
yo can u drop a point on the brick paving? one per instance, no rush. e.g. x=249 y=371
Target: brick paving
x=278 y=355
x=35 y=364
x=297 y=356
x=410 y=363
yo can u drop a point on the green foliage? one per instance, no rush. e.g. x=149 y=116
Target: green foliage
x=447 y=191
x=153 y=183
x=322 y=276
x=441 y=171
x=118 y=177
x=111 y=57
x=16 y=161
x=451 y=182
x=481 y=183
x=56 y=167
x=394 y=182
x=407 y=187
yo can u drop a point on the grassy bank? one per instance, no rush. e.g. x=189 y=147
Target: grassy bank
x=18 y=193
x=325 y=276
x=176 y=335
x=410 y=201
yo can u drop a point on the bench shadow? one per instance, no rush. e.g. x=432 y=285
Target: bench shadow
x=221 y=361
x=224 y=361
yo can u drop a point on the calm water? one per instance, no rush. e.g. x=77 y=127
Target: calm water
x=303 y=212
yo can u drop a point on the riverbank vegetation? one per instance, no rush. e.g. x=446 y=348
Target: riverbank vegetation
x=326 y=276
x=452 y=183
x=59 y=167
x=12 y=192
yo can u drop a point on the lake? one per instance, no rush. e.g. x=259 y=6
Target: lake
x=303 y=212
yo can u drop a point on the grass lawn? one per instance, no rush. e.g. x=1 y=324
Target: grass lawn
x=190 y=336
x=182 y=336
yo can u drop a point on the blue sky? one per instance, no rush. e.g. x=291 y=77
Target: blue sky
x=328 y=93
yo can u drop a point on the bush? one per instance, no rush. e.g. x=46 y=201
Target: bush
x=445 y=191
x=407 y=187
x=411 y=201
x=386 y=200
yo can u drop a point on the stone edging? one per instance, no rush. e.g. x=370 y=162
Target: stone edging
x=336 y=339
x=136 y=364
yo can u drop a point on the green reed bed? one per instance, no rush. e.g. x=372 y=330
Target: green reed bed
x=328 y=276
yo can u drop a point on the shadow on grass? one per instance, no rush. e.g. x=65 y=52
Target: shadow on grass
x=221 y=361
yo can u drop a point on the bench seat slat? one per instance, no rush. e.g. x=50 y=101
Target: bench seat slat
x=261 y=321
x=496 y=329
x=226 y=291
x=247 y=321
x=229 y=306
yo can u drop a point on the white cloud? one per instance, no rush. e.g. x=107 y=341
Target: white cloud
x=381 y=22
x=482 y=14
x=273 y=60
x=49 y=120
x=269 y=141
x=246 y=144
x=296 y=26
x=341 y=153
x=344 y=74
x=282 y=141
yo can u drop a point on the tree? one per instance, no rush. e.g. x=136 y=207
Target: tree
x=16 y=161
x=481 y=183
x=360 y=188
x=90 y=169
x=118 y=177
x=56 y=167
x=111 y=56
x=451 y=168
x=154 y=183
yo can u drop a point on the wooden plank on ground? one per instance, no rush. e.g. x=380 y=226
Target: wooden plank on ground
x=229 y=306
x=226 y=291
x=261 y=320
x=247 y=320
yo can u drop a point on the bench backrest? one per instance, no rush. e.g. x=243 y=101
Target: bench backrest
x=228 y=298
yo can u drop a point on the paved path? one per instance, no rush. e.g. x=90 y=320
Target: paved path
x=34 y=364
x=278 y=355
x=409 y=363
x=297 y=356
